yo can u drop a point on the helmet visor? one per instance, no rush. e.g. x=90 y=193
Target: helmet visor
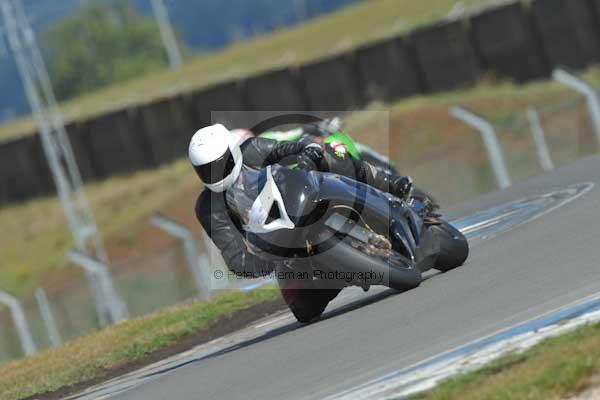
x=217 y=170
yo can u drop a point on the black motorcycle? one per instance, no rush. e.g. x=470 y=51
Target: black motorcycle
x=328 y=232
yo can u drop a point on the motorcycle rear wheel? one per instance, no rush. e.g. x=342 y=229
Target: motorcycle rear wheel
x=399 y=275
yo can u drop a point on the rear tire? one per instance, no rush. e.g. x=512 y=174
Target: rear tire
x=454 y=247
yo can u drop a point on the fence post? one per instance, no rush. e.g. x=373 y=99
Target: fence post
x=201 y=276
x=101 y=311
x=48 y=317
x=488 y=133
x=539 y=138
x=112 y=302
x=23 y=329
x=3 y=354
x=587 y=90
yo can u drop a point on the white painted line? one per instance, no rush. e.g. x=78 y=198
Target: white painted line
x=487 y=222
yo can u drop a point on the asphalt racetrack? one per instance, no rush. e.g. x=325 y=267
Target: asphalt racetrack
x=532 y=269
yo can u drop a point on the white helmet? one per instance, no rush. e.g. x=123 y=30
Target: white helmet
x=216 y=156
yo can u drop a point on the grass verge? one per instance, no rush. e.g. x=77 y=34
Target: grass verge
x=555 y=369
x=329 y=34
x=114 y=350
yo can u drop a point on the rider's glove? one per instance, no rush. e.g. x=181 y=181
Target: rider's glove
x=311 y=157
x=402 y=187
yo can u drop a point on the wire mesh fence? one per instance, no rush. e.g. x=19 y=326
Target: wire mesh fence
x=154 y=280
x=147 y=283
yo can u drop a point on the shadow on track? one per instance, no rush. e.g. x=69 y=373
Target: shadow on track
x=352 y=306
x=359 y=303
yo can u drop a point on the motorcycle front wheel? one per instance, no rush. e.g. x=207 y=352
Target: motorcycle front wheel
x=307 y=305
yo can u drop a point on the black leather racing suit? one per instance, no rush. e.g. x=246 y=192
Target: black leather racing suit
x=224 y=228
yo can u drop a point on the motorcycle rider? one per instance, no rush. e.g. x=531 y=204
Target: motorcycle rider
x=218 y=157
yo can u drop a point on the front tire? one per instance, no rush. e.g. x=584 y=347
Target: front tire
x=454 y=247
x=305 y=298
x=306 y=301
x=309 y=304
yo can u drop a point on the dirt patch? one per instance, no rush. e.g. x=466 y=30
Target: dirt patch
x=224 y=326
x=590 y=390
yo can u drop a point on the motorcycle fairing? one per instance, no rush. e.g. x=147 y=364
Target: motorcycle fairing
x=268 y=212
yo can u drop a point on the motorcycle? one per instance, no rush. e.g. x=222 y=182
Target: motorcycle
x=326 y=232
